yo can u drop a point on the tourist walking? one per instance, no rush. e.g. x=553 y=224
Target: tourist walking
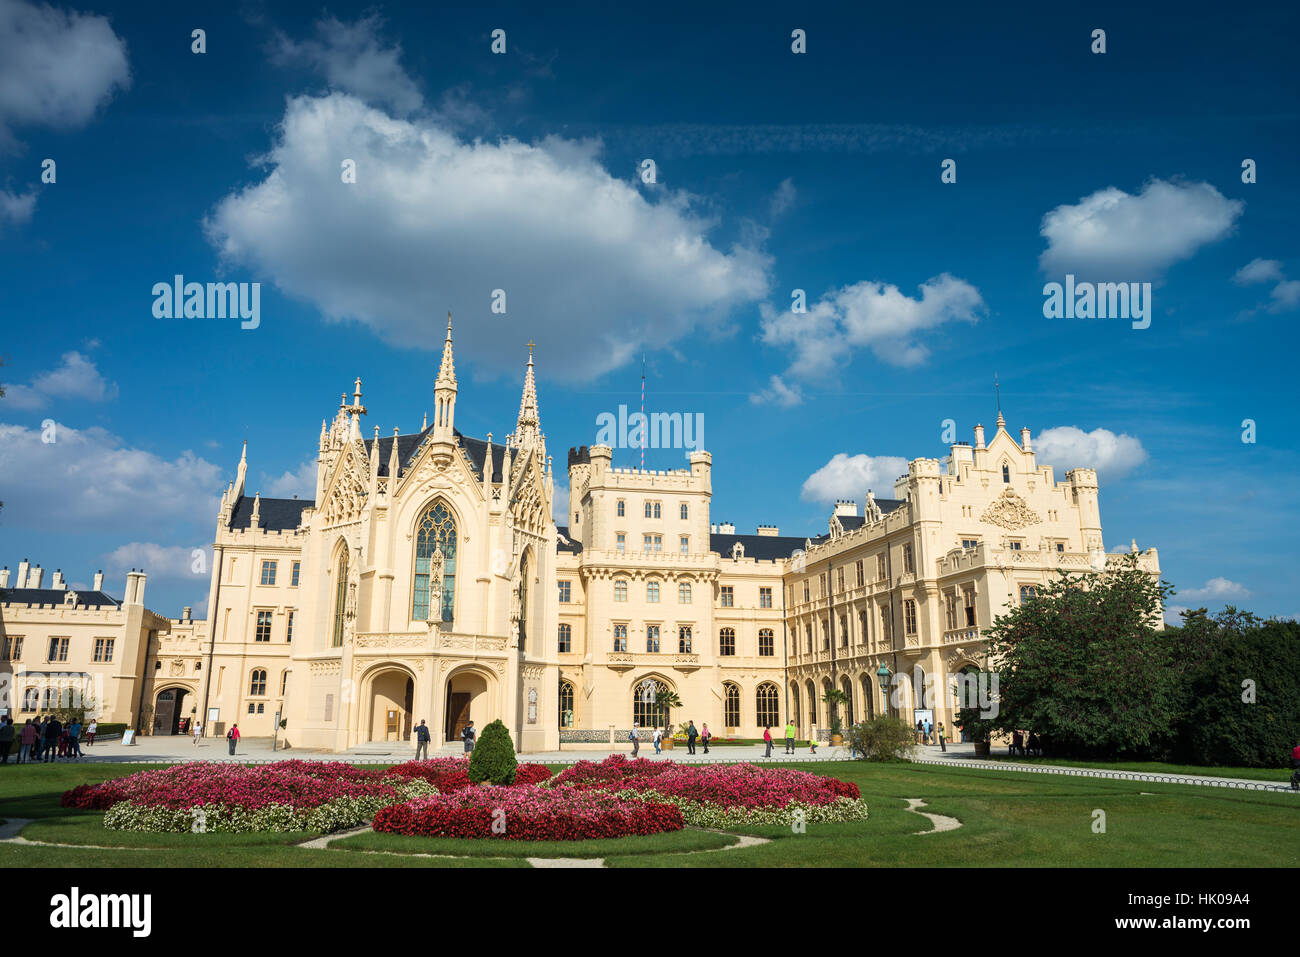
x=691 y=735
x=928 y=728
x=422 y=738
x=767 y=739
x=233 y=737
x=50 y=741
x=704 y=738
x=635 y=737
x=198 y=732
x=943 y=738
x=467 y=735
x=27 y=742
x=790 y=732
x=1295 y=764
x=658 y=740
x=92 y=729
x=74 y=738
x=38 y=746
x=6 y=739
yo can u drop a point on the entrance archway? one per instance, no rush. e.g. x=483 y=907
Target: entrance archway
x=168 y=711
x=468 y=699
x=392 y=695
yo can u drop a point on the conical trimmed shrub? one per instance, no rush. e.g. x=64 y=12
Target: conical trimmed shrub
x=493 y=757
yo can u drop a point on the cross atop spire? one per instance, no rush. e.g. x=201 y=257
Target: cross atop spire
x=444 y=393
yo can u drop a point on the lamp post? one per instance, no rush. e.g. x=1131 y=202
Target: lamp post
x=884 y=675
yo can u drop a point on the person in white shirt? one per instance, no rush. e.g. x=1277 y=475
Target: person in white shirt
x=198 y=732
x=659 y=736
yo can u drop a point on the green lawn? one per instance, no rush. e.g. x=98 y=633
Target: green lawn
x=1277 y=775
x=1008 y=819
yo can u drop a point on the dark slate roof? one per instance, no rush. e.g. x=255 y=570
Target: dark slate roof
x=275 y=514
x=477 y=451
x=573 y=548
x=850 y=522
x=409 y=445
x=757 y=546
x=887 y=505
x=55 y=596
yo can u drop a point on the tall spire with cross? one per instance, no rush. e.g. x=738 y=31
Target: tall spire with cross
x=997 y=391
x=528 y=428
x=444 y=393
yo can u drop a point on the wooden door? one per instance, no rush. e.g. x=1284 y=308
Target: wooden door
x=457 y=713
x=392 y=727
x=164 y=712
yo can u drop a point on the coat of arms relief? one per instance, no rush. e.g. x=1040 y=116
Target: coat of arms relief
x=1010 y=511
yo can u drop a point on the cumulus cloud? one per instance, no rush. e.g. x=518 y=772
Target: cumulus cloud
x=300 y=482
x=1066 y=447
x=777 y=393
x=783 y=198
x=354 y=59
x=1216 y=589
x=170 y=562
x=76 y=378
x=560 y=506
x=1119 y=236
x=1285 y=294
x=56 y=67
x=850 y=476
x=591 y=269
x=873 y=315
x=1259 y=270
x=88 y=479
x=17 y=208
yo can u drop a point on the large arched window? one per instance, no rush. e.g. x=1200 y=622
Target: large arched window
x=794 y=704
x=766 y=700
x=730 y=705
x=523 y=601
x=435 y=563
x=868 y=695
x=846 y=686
x=257 y=683
x=31 y=699
x=647 y=712
x=812 y=702
x=566 y=704
x=340 y=597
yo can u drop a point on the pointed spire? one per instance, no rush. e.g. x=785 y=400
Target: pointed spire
x=528 y=426
x=256 y=519
x=444 y=394
x=324 y=436
x=394 y=464
x=447 y=372
x=1002 y=423
x=242 y=471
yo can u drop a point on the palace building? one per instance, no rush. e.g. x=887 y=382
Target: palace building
x=428 y=580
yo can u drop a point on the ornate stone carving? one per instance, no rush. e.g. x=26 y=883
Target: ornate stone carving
x=1010 y=511
x=533 y=672
x=177 y=667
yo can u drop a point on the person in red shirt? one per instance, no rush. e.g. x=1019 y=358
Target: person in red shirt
x=767 y=739
x=1295 y=763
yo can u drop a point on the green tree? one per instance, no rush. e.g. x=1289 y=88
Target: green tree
x=493 y=757
x=1084 y=666
x=665 y=701
x=834 y=697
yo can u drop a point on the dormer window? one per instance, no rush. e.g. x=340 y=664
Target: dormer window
x=1006 y=473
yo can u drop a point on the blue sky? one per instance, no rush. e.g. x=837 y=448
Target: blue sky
x=775 y=171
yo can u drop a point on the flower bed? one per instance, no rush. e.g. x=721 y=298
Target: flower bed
x=723 y=795
x=528 y=812
x=452 y=774
x=284 y=796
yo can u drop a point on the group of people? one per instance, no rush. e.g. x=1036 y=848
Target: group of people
x=1025 y=747
x=44 y=738
x=929 y=734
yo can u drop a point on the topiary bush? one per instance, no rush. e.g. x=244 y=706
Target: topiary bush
x=882 y=739
x=493 y=757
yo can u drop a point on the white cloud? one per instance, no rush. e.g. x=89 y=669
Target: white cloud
x=1066 y=447
x=783 y=198
x=872 y=315
x=1174 y=614
x=1286 y=295
x=170 y=562
x=777 y=393
x=1259 y=270
x=17 y=208
x=56 y=67
x=849 y=477
x=354 y=60
x=1216 y=589
x=76 y=378
x=592 y=270
x=1117 y=236
x=560 y=506
x=88 y=480
x=300 y=482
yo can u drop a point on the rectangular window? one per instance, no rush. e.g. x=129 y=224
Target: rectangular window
x=652 y=639
x=657 y=507
x=821 y=585
x=13 y=648
x=649 y=510
x=909 y=616
x=620 y=590
x=968 y=597
x=621 y=510
x=861 y=575
x=950 y=611
x=1060 y=546
x=1014 y=546
x=862 y=627
x=908 y=565
x=288 y=626
x=263 y=626
x=620 y=542
x=844 y=631
x=727 y=642
x=880 y=567
x=826 y=635
x=646 y=541
x=805 y=589
x=886 y=628
x=686 y=511
x=565 y=589
x=839 y=578
x=807 y=630
x=728 y=596
x=252 y=708
x=765 y=598
x=1027 y=592
x=268 y=573
x=684 y=593
x=294 y=574
x=58 y=649
x=620 y=637
x=684 y=640
x=766 y=643
x=566 y=639
x=970 y=543
x=685 y=544
x=652 y=593
x=104 y=649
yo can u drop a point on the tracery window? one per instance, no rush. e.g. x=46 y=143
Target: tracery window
x=340 y=597
x=766 y=702
x=435 y=563
x=731 y=706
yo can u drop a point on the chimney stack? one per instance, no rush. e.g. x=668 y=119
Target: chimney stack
x=22 y=574
x=34 y=578
x=846 y=507
x=979 y=436
x=4 y=577
x=726 y=528
x=58 y=582
x=1024 y=440
x=99 y=580
x=768 y=530
x=185 y=613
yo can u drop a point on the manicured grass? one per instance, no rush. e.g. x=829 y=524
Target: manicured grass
x=670 y=842
x=1278 y=775
x=1008 y=819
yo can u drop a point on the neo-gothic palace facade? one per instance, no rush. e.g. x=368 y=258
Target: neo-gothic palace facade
x=428 y=580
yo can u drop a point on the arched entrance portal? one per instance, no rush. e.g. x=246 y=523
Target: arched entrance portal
x=168 y=711
x=392 y=695
x=468 y=700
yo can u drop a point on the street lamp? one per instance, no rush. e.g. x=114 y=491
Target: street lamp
x=884 y=675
